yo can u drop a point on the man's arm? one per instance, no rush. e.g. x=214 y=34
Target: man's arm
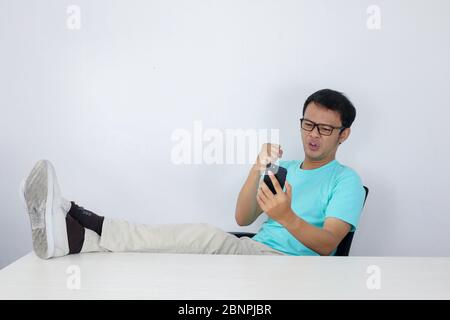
x=278 y=207
x=321 y=240
x=247 y=209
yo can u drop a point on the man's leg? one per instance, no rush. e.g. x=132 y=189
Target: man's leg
x=120 y=236
x=123 y=236
x=61 y=227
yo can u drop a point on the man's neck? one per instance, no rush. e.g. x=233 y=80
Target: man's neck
x=310 y=165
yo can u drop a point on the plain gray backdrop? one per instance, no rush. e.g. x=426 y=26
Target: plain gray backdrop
x=101 y=102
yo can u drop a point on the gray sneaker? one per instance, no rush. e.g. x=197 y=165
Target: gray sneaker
x=45 y=206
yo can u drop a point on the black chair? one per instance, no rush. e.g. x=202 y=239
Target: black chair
x=343 y=248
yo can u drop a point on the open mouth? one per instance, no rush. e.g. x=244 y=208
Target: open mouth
x=313 y=146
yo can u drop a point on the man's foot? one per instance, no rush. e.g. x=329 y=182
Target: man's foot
x=47 y=211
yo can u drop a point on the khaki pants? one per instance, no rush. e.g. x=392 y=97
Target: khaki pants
x=122 y=236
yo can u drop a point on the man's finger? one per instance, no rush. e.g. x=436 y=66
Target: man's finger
x=261 y=203
x=264 y=160
x=266 y=191
x=275 y=182
x=276 y=151
x=265 y=194
x=273 y=158
x=268 y=148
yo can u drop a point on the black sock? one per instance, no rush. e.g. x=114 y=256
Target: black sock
x=75 y=234
x=86 y=218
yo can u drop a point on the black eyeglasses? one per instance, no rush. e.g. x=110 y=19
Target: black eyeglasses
x=324 y=129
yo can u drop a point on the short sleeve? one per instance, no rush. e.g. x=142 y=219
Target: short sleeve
x=347 y=199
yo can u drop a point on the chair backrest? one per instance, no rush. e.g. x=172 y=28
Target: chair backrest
x=343 y=248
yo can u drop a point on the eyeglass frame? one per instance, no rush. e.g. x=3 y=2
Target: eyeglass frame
x=318 y=129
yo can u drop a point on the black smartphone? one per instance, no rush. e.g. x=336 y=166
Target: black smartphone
x=280 y=174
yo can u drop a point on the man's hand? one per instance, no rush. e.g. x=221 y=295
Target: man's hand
x=270 y=152
x=277 y=206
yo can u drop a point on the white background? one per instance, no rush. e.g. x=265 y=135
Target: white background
x=102 y=102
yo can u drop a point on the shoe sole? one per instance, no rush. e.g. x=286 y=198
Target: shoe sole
x=37 y=191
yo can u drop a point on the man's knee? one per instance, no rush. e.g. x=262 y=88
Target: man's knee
x=217 y=235
x=211 y=229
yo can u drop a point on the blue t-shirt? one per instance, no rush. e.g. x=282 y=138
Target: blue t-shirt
x=333 y=190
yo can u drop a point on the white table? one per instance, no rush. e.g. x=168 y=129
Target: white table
x=189 y=276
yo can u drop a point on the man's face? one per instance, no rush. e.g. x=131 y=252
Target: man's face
x=326 y=146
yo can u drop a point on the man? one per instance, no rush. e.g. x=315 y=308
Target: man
x=321 y=203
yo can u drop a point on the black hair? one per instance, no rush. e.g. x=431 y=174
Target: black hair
x=336 y=101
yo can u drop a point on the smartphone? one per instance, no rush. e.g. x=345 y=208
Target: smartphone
x=280 y=174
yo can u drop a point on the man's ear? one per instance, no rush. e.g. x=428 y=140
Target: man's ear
x=344 y=135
